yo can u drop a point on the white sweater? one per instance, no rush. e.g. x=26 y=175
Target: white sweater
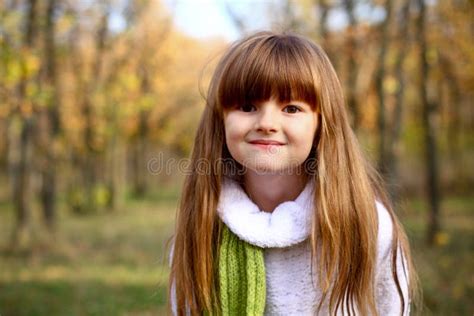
x=284 y=236
x=291 y=289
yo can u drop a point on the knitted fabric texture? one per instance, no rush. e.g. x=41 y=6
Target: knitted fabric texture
x=241 y=276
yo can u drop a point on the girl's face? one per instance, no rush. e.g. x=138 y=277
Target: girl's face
x=270 y=137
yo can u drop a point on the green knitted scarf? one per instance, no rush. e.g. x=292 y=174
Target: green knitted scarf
x=241 y=276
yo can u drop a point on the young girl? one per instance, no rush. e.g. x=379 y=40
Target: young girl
x=281 y=214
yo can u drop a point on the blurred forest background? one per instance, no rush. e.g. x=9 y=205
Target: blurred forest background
x=90 y=111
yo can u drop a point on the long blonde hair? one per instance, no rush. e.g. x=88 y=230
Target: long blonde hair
x=345 y=225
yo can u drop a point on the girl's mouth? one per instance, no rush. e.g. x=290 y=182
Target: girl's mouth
x=265 y=143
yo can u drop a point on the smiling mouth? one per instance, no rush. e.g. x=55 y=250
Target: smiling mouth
x=270 y=146
x=264 y=142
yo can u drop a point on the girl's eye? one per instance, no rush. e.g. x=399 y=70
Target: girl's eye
x=291 y=109
x=247 y=107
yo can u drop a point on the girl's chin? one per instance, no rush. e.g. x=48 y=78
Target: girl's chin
x=273 y=169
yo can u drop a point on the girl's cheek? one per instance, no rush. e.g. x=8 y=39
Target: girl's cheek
x=231 y=131
x=233 y=134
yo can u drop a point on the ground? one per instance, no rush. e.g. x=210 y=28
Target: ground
x=115 y=264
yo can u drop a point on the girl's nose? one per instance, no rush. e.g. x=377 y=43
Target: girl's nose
x=267 y=121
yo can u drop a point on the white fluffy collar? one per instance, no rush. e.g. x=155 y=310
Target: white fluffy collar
x=287 y=225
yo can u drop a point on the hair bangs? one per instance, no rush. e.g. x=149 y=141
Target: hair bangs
x=280 y=68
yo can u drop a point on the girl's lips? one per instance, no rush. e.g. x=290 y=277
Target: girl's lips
x=266 y=142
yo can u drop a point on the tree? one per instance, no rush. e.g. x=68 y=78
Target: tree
x=393 y=140
x=50 y=123
x=428 y=111
x=20 y=138
x=351 y=51
x=379 y=80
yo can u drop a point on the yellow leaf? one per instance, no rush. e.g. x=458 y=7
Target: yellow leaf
x=441 y=239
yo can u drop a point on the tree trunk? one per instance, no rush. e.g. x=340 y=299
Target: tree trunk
x=91 y=161
x=20 y=156
x=115 y=163
x=140 y=150
x=139 y=157
x=50 y=125
x=323 y=17
x=379 y=79
x=21 y=147
x=394 y=139
x=428 y=112
x=115 y=184
x=323 y=7
x=453 y=131
x=351 y=47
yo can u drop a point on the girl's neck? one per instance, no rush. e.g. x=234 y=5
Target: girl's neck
x=268 y=191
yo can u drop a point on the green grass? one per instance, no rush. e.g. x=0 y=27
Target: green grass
x=446 y=270
x=115 y=264
x=106 y=264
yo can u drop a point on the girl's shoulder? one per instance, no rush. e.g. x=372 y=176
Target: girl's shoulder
x=385 y=230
